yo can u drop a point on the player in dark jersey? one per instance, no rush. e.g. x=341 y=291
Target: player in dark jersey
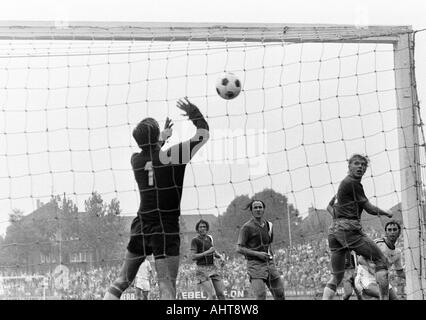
x=350 y=265
x=254 y=242
x=346 y=233
x=204 y=252
x=159 y=175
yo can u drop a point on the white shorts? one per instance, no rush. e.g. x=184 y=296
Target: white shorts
x=143 y=285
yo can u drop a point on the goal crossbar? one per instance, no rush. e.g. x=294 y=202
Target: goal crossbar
x=138 y=31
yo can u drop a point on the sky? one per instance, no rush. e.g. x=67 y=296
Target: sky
x=239 y=159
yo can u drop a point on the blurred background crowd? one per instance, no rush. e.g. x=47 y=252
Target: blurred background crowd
x=305 y=269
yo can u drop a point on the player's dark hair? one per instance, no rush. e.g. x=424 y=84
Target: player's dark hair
x=395 y=223
x=358 y=156
x=200 y=222
x=147 y=133
x=250 y=205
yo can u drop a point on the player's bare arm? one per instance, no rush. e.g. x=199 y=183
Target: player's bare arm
x=330 y=205
x=202 y=134
x=375 y=211
x=167 y=131
x=184 y=152
x=193 y=113
x=198 y=256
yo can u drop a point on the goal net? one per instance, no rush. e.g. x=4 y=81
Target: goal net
x=71 y=94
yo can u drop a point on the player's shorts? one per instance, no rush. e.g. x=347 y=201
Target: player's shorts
x=148 y=238
x=142 y=284
x=344 y=235
x=262 y=270
x=206 y=272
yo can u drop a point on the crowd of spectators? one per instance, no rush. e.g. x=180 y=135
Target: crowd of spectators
x=82 y=284
x=305 y=269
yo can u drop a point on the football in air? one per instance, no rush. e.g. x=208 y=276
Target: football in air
x=228 y=86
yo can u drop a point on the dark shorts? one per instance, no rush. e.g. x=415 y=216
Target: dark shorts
x=158 y=239
x=207 y=272
x=345 y=235
x=262 y=270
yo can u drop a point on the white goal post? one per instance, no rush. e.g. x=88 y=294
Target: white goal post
x=400 y=37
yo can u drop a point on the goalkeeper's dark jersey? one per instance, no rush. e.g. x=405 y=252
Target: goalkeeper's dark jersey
x=160 y=174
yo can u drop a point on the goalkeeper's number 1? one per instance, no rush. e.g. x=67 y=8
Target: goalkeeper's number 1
x=148 y=167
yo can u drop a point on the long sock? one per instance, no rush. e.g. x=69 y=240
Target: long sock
x=329 y=292
x=382 y=278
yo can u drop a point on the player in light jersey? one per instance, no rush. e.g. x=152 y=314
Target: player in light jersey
x=365 y=280
x=143 y=280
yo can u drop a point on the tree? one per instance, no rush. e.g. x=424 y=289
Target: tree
x=103 y=229
x=3 y=251
x=315 y=224
x=113 y=231
x=99 y=231
x=68 y=207
x=114 y=207
x=229 y=223
x=16 y=215
x=95 y=205
x=58 y=230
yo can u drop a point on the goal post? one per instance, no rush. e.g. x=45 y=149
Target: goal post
x=412 y=202
x=239 y=34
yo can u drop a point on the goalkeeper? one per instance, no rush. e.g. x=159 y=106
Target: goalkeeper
x=159 y=175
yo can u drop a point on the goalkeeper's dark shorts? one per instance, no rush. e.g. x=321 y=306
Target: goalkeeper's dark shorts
x=159 y=238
